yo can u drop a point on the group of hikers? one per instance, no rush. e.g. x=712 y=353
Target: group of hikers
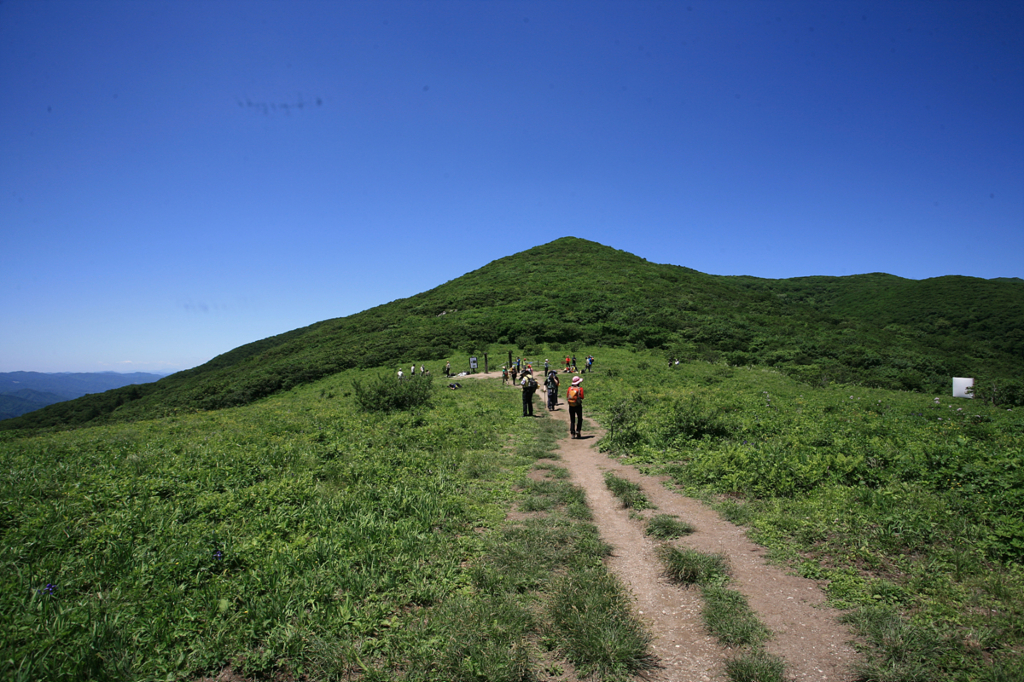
x=529 y=385
x=521 y=373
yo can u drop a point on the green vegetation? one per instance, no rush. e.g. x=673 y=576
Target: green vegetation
x=390 y=394
x=756 y=666
x=910 y=506
x=726 y=614
x=690 y=567
x=303 y=536
x=871 y=330
x=631 y=495
x=667 y=527
x=289 y=509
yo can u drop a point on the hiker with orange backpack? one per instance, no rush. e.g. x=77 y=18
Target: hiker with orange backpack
x=574 y=398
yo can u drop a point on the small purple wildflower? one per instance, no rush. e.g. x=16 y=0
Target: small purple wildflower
x=218 y=555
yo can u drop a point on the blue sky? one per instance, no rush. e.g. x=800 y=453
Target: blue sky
x=180 y=178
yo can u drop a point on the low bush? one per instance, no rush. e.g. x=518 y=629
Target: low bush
x=389 y=394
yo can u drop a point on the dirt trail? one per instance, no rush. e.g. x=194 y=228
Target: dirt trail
x=807 y=634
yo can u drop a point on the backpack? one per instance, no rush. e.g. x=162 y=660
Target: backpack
x=531 y=384
x=572 y=396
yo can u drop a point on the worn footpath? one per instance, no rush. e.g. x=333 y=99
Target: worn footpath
x=807 y=634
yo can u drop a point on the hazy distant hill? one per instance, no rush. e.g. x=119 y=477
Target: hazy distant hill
x=22 y=392
x=876 y=330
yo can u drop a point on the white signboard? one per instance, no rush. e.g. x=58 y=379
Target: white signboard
x=960 y=386
x=472 y=363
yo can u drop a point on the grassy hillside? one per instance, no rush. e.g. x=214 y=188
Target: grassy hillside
x=304 y=538
x=302 y=535
x=871 y=330
x=911 y=508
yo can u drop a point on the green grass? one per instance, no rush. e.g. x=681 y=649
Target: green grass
x=755 y=666
x=726 y=614
x=690 y=567
x=729 y=618
x=893 y=499
x=630 y=494
x=299 y=533
x=667 y=527
x=592 y=614
x=300 y=536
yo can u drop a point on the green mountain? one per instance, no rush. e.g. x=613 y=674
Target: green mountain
x=874 y=330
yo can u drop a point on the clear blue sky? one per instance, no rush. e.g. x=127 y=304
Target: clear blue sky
x=180 y=178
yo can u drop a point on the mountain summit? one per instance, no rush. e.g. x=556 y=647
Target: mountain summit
x=877 y=329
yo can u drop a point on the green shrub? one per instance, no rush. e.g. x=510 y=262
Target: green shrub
x=389 y=394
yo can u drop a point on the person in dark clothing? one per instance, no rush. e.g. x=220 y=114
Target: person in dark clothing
x=551 y=383
x=529 y=388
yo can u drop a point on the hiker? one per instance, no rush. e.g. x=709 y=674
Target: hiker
x=399 y=375
x=566 y=363
x=590 y=362
x=547 y=367
x=529 y=388
x=574 y=397
x=515 y=375
x=574 y=363
x=551 y=384
x=504 y=375
x=447 y=369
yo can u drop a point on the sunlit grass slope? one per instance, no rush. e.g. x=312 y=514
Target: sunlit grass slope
x=874 y=330
x=299 y=536
x=909 y=506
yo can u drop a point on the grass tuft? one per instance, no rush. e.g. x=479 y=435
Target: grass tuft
x=592 y=613
x=729 y=618
x=667 y=527
x=631 y=494
x=690 y=567
x=756 y=666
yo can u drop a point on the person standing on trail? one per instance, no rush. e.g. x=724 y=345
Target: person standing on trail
x=551 y=384
x=529 y=388
x=590 y=362
x=566 y=363
x=515 y=375
x=504 y=375
x=448 y=369
x=574 y=397
x=547 y=367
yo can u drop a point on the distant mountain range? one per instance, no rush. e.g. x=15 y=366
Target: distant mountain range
x=23 y=392
x=873 y=330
